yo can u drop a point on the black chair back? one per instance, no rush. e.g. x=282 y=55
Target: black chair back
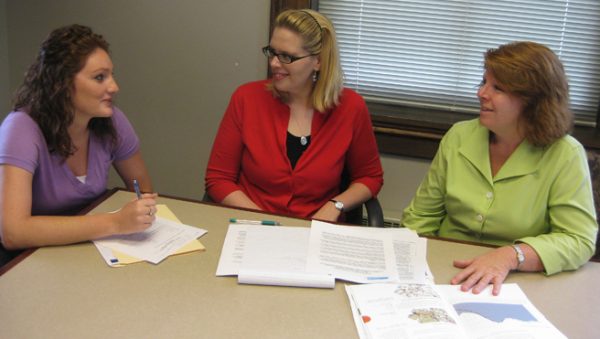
x=594 y=164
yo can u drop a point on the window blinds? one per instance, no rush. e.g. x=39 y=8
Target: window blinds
x=429 y=53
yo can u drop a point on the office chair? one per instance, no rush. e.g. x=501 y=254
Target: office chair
x=372 y=206
x=374 y=214
x=594 y=163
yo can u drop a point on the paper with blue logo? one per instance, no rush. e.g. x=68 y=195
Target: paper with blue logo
x=316 y=256
x=367 y=254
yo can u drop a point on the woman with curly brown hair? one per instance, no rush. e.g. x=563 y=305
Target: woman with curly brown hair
x=514 y=177
x=57 y=147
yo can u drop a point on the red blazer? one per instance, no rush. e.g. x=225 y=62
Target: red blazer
x=249 y=152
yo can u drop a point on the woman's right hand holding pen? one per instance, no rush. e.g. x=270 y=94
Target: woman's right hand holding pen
x=136 y=215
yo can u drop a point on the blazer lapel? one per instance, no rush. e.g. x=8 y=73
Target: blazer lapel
x=475 y=149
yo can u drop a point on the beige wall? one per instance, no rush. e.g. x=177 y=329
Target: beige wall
x=177 y=62
x=4 y=85
x=401 y=178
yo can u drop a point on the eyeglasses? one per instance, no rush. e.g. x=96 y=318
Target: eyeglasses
x=283 y=57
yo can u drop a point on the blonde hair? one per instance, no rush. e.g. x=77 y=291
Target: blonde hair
x=319 y=38
x=532 y=72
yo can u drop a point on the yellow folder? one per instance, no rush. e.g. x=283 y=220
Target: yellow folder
x=164 y=212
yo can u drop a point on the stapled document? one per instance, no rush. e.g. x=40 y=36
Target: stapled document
x=316 y=256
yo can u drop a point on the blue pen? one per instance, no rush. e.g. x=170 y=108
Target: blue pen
x=136 y=186
x=254 y=222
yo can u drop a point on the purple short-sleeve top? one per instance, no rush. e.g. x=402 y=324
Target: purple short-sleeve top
x=55 y=189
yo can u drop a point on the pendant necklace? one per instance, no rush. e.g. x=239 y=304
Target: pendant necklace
x=303 y=139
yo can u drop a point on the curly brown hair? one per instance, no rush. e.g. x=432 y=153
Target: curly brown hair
x=532 y=72
x=46 y=92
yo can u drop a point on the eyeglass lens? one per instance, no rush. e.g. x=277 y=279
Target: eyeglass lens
x=284 y=58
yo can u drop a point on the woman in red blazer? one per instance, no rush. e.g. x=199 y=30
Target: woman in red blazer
x=283 y=142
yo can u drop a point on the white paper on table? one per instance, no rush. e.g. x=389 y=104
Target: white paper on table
x=366 y=255
x=277 y=256
x=155 y=243
x=304 y=279
x=507 y=315
x=410 y=253
x=349 y=254
x=269 y=255
x=107 y=254
x=359 y=321
x=444 y=311
x=233 y=249
x=383 y=311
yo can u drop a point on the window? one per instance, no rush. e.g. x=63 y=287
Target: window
x=418 y=62
x=429 y=53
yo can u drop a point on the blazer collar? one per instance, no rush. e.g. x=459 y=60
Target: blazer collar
x=524 y=160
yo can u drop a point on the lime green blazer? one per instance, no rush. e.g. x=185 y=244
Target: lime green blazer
x=541 y=196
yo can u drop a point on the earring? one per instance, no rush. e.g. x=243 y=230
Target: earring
x=315 y=76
